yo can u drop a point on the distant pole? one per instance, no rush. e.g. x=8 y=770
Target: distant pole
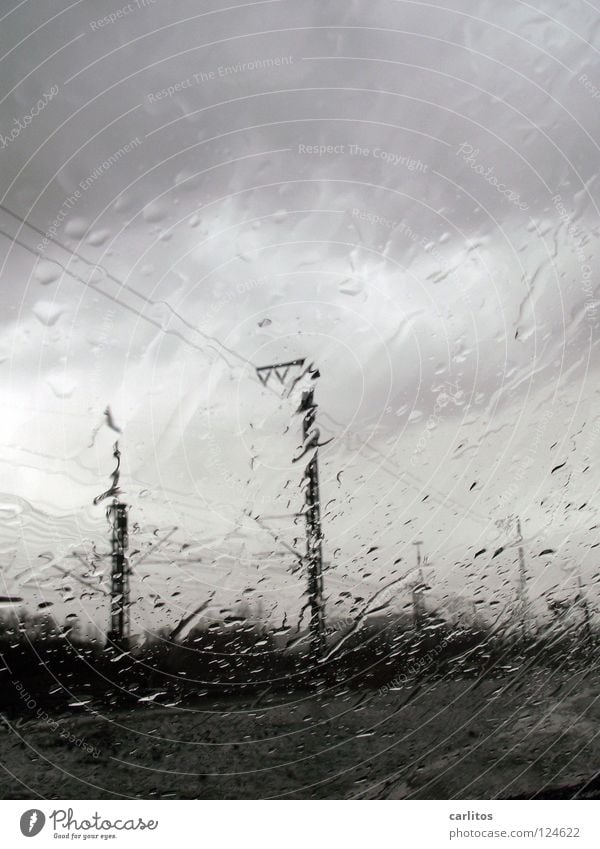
x=587 y=622
x=522 y=591
x=417 y=591
x=314 y=533
x=119 y=587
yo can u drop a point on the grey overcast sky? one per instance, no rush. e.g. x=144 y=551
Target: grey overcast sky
x=405 y=193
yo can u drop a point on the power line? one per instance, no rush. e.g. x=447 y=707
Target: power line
x=416 y=481
x=211 y=339
x=127 y=287
x=260 y=371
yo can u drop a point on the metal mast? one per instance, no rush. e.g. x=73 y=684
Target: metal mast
x=314 y=532
x=522 y=592
x=417 y=591
x=119 y=578
x=119 y=631
x=587 y=621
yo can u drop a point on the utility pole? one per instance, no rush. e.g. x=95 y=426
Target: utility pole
x=119 y=578
x=587 y=620
x=314 y=532
x=119 y=631
x=417 y=591
x=523 y=595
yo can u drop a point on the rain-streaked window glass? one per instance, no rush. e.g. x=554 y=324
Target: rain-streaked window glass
x=299 y=436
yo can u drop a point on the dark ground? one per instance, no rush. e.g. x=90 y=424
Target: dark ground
x=474 y=739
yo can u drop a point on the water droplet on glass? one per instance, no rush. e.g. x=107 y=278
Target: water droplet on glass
x=47 y=272
x=47 y=312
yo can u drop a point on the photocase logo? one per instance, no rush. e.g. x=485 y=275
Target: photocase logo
x=32 y=822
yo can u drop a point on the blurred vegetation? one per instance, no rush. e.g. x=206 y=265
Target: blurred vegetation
x=59 y=667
